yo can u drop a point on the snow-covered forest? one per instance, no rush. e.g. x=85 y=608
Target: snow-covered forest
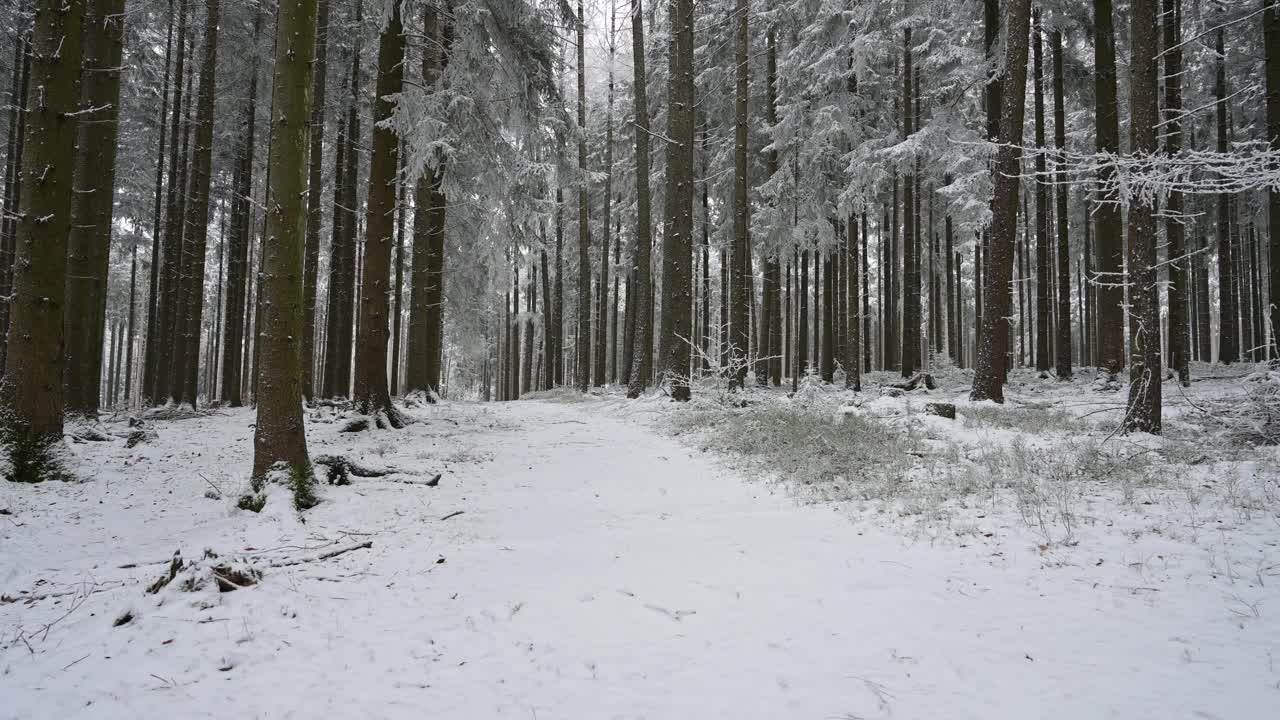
x=637 y=359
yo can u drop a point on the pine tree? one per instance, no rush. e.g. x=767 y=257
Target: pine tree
x=31 y=392
x=279 y=437
x=371 y=394
x=315 y=186
x=988 y=380
x=1143 y=413
x=1109 y=277
x=739 y=293
x=638 y=295
x=89 y=244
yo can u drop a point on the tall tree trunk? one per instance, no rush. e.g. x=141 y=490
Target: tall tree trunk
x=911 y=268
x=89 y=245
x=279 y=438
x=583 y=340
x=677 y=240
x=315 y=186
x=31 y=392
x=739 y=297
x=1063 y=344
x=13 y=167
x=1042 y=335
x=638 y=292
x=426 y=295
x=1108 y=235
x=852 y=358
x=988 y=380
x=371 y=394
x=1228 y=321
x=187 y=352
x=233 y=330
x=397 y=289
x=342 y=270
x=602 y=317
x=1271 y=41
x=160 y=344
x=1175 y=231
x=1143 y=414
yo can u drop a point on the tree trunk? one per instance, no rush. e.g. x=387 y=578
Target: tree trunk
x=233 y=328
x=188 y=326
x=1109 y=242
x=1063 y=344
x=31 y=393
x=911 y=269
x=371 y=394
x=1271 y=37
x=641 y=360
x=279 y=438
x=1228 y=321
x=1042 y=334
x=89 y=245
x=160 y=344
x=988 y=380
x=13 y=167
x=1175 y=231
x=677 y=240
x=315 y=186
x=342 y=256
x=397 y=289
x=1143 y=414
x=739 y=328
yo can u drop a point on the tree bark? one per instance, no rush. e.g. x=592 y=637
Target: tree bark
x=677 y=240
x=739 y=297
x=279 y=438
x=1143 y=414
x=194 y=244
x=638 y=292
x=1228 y=320
x=1063 y=341
x=315 y=186
x=1110 y=278
x=31 y=393
x=1175 y=231
x=89 y=245
x=988 y=380
x=371 y=394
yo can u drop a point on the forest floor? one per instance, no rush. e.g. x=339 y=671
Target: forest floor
x=827 y=555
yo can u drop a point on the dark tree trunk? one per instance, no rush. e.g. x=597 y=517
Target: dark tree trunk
x=739 y=292
x=160 y=343
x=1271 y=41
x=988 y=381
x=315 y=186
x=89 y=245
x=1063 y=344
x=371 y=394
x=1042 y=334
x=1175 y=231
x=583 y=339
x=641 y=358
x=1143 y=414
x=677 y=240
x=911 y=268
x=279 y=438
x=1110 y=277
x=1228 y=321
x=13 y=167
x=31 y=393
x=233 y=336
x=195 y=236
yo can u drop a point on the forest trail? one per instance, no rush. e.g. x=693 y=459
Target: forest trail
x=598 y=570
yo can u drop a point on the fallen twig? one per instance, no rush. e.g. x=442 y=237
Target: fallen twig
x=322 y=556
x=453 y=514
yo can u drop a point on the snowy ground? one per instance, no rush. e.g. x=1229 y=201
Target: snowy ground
x=613 y=560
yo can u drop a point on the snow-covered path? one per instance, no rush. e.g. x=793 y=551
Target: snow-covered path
x=601 y=570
